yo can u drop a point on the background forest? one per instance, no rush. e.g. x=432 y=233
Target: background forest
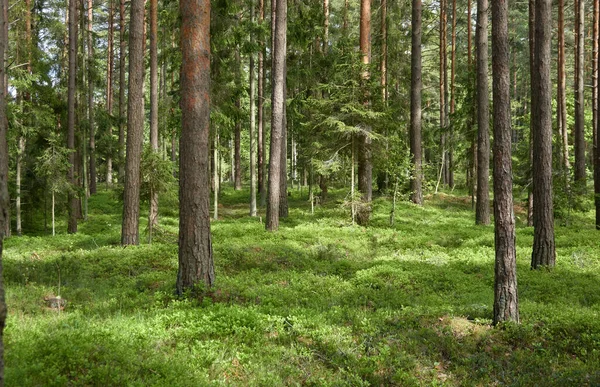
x=379 y=139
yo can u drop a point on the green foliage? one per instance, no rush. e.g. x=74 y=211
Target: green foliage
x=156 y=174
x=320 y=302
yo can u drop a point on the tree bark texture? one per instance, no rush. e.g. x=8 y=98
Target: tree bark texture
x=135 y=127
x=91 y=65
x=506 y=304
x=561 y=103
x=365 y=167
x=596 y=153
x=596 y=19
x=122 y=88
x=277 y=111
x=262 y=171
x=73 y=202
x=283 y=199
x=238 y=126
x=543 y=213
x=195 y=248
x=579 y=128
x=416 y=87
x=153 y=210
x=482 y=207
x=252 y=92
x=109 y=88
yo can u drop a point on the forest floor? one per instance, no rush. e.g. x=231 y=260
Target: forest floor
x=321 y=302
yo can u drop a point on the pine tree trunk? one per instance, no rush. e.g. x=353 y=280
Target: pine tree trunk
x=135 y=126
x=92 y=132
x=543 y=214
x=579 y=128
x=153 y=210
x=195 y=248
x=238 y=126
x=596 y=154
x=261 y=111
x=73 y=202
x=561 y=88
x=277 y=112
x=283 y=200
x=506 y=303
x=109 y=90
x=384 y=52
x=365 y=167
x=482 y=208
x=416 y=86
x=596 y=18
x=452 y=100
x=216 y=176
x=122 y=88
x=252 y=82
x=20 y=154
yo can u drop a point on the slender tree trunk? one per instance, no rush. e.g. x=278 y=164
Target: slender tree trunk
x=596 y=153
x=109 y=90
x=384 y=52
x=153 y=211
x=252 y=82
x=506 y=302
x=238 y=126
x=277 y=112
x=596 y=19
x=195 y=248
x=416 y=86
x=92 y=132
x=452 y=100
x=443 y=90
x=365 y=167
x=532 y=112
x=216 y=176
x=561 y=88
x=135 y=127
x=73 y=202
x=579 y=128
x=283 y=200
x=4 y=199
x=482 y=208
x=543 y=214
x=261 y=142
x=122 y=87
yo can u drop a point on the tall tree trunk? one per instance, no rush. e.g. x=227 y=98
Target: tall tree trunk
x=384 y=52
x=73 y=202
x=506 y=302
x=153 y=211
x=596 y=19
x=109 y=90
x=532 y=112
x=482 y=209
x=365 y=167
x=135 y=126
x=238 y=124
x=443 y=91
x=561 y=102
x=195 y=248
x=277 y=112
x=326 y=25
x=283 y=200
x=4 y=200
x=216 y=176
x=20 y=154
x=90 y=44
x=416 y=85
x=579 y=128
x=252 y=82
x=261 y=142
x=596 y=153
x=122 y=87
x=543 y=214
x=452 y=100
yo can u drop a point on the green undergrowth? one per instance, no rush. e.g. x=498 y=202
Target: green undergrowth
x=321 y=302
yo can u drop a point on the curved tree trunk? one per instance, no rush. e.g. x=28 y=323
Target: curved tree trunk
x=482 y=209
x=415 y=105
x=506 y=303
x=135 y=127
x=195 y=248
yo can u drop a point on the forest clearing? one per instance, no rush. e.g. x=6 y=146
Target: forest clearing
x=321 y=302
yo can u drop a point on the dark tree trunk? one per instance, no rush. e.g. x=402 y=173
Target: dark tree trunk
x=365 y=167
x=195 y=248
x=4 y=200
x=135 y=127
x=543 y=214
x=73 y=202
x=579 y=143
x=595 y=64
x=277 y=112
x=415 y=105
x=122 y=87
x=90 y=44
x=506 y=303
x=153 y=210
x=482 y=209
